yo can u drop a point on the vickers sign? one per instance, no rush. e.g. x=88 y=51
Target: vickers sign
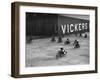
x=70 y=28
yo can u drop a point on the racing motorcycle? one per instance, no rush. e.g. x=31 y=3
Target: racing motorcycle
x=60 y=55
x=76 y=45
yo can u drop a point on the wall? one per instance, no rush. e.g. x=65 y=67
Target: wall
x=70 y=23
x=5 y=40
x=40 y=24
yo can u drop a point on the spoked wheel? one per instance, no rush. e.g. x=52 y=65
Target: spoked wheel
x=58 y=56
x=77 y=46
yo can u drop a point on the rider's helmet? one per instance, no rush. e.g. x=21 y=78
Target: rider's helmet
x=67 y=39
x=61 y=48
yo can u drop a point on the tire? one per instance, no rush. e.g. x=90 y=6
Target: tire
x=58 y=56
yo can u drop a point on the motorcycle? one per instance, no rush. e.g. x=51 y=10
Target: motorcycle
x=76 y=45
x=59 y=55
x=67 y=42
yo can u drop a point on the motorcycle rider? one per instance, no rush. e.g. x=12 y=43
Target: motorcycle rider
x=67 y=41
x=76 y=44
x=61 y=52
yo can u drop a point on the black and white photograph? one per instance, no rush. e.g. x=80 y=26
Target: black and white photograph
x=57 y=39
x=52 y=39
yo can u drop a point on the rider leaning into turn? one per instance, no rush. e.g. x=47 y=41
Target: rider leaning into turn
x=76 y=44
x=61 y=52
